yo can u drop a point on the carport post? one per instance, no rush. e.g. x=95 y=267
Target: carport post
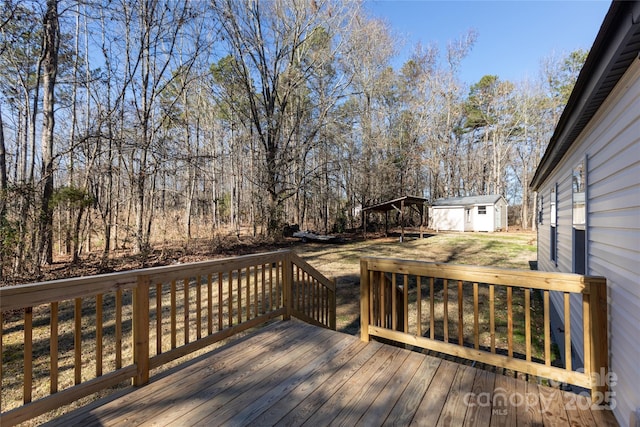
x=401 y=221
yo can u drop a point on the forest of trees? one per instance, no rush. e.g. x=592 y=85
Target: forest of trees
x=127 y=123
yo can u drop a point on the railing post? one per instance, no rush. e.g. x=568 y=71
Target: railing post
x=332 y=305
x=287 y=282
x=364 y=300
x=141 y=330
x=599 y=338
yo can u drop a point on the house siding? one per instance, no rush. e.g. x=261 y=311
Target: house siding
x=610 y=146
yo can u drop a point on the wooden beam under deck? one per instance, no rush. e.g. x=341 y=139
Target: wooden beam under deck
x=291 y=373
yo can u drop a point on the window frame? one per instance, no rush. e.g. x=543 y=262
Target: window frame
x=579 y=236
x=553 y=224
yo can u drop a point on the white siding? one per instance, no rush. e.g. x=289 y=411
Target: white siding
x=611 y=146
x=448 y=219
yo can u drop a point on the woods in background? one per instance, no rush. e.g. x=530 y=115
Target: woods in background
x=125 y=123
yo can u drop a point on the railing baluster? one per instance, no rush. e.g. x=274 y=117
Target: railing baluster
x=263 y=285
x=405 y=303
x=255 y=291
x=118 y=328
x=28 y=354
x=185 y=287
x=567 y=331
x=174 y=320
x=198 y=307
x=140 y=319
x=239 y=273
x=209 y=304
x=309 y=293
x=331 y=312
x=325 y=305
x=248 y=277
x=279 y=296
x=306 y=294
x=445 y=305
x=318 y=299
x=270 y=286
x=492 y=318
x=99 y=335
x=510 y=321
x=586 y=326
x=476 y=318
x=309 y=301
x=158 y=318
x=432 y=320
x=53 y=349
x=460 y=315
x=394 y=302
x=419 y=304
x=220 y=303
x=375 y=311
x=299 y=290
x=366 y=301
x=77 y=341
x=527 y=323
x=230 y=302
x=547 y=329
x=312 y=293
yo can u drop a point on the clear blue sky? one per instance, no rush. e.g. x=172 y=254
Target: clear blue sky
x=513 y=36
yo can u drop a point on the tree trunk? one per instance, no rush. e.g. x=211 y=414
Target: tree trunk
x=50 y=64
x=3 y=194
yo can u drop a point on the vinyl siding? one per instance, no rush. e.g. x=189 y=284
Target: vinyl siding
x=448 y=219
x=611 y=146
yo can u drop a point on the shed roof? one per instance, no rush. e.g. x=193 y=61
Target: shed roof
x=395 y=203
x=615 y=48
x=469 y=200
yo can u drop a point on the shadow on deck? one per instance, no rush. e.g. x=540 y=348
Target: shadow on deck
x=292 y=373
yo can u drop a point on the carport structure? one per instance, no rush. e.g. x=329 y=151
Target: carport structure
x=398 y=205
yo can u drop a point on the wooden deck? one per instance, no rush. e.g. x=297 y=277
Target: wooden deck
x=291 y=373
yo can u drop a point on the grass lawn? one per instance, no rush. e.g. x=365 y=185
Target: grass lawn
x=342 y=261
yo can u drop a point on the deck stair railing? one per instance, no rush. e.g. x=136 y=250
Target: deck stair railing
x=66 y=339
x=485 y=314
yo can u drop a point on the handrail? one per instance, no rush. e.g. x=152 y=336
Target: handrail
x=398 y=303
x=136 y=321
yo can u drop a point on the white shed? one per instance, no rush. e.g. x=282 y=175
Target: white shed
x=473 y=213
x=588 y=186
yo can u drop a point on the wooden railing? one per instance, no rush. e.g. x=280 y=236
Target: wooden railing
x=66 y=339
x=472 y=313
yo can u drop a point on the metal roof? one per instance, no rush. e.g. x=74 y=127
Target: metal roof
x=469 y=200
x=615 y=48
x=395 y=203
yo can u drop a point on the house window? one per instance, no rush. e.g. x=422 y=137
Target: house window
x=579 y=210
x=482 y=210
x=553 y=230
x=468 y=210
x=540 y=208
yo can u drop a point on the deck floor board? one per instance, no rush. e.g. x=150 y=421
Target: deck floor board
x=293 y=374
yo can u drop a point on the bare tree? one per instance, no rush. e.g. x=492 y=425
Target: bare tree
x=268 y=41
x=51 y=46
